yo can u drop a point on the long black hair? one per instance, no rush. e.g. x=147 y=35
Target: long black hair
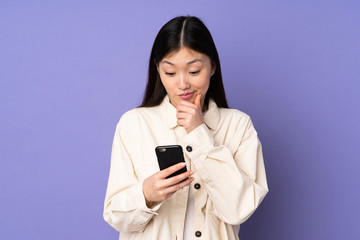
x=189 y=32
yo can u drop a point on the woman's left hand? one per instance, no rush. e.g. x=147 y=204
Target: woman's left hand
x=189 y=114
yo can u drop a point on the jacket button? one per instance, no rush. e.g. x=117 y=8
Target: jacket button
x=189 y=148
x=198 y=233
x=197 y=186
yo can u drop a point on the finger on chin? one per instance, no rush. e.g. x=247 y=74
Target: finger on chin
x=186 y=103
x=197 y=99
x=184 y=108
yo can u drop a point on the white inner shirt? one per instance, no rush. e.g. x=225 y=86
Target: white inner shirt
x=188 y=227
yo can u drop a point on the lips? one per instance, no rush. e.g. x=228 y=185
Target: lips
x=186 y=95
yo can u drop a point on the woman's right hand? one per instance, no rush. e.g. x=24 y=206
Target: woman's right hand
x=158 y=188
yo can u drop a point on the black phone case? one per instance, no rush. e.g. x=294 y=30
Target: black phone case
x=170 y=155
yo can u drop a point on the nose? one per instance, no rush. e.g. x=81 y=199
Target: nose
x=183 y=83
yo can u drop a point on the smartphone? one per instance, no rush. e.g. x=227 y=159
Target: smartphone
x=169 y=155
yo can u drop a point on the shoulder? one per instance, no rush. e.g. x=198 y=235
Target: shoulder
x=128 y=117
x=234 y=116
x=237 y=124
x=136 y=115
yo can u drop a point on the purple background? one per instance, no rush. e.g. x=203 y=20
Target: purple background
x=70 y=69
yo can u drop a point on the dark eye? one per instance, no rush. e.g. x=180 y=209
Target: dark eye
x=194 y=73
x=170 y=74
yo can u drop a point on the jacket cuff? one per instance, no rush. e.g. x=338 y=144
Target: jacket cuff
x=141 y=202
x=197 y=144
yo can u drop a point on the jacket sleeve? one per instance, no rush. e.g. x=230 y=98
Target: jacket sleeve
x=235 y=180
x=125 y=207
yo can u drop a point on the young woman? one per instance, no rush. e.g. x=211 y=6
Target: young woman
x=184 y=104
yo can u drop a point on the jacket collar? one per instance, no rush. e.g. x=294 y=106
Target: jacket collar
x=211 y=116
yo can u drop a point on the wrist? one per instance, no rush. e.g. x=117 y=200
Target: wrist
x=147 y=201
x=189 y=129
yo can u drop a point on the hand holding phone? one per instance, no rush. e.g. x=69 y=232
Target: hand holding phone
x=163 y=184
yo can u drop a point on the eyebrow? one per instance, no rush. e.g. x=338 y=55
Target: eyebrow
x=191 y=62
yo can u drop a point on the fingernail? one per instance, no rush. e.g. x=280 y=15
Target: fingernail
x=183 y=164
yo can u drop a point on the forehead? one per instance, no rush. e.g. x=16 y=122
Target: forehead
x=183 y=56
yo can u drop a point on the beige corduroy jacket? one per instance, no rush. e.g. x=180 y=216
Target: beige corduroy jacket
x=226 y=156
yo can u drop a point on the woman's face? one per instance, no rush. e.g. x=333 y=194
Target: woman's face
x=185 y=74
